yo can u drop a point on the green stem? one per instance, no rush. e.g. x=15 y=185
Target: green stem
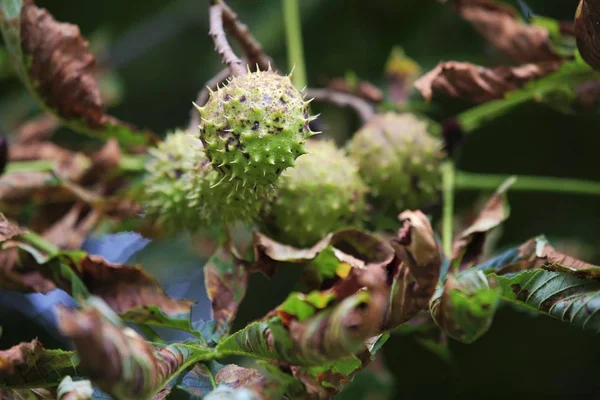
x=127 y=163
x=475 y=117
x=474 y=181
x=293 y=31
x=448 y=171
x=40 y=243
x=29 y=166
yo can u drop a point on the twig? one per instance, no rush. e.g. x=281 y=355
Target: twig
x=228 y=57
x=364 y=109
x=203 y=96
x=250 y=46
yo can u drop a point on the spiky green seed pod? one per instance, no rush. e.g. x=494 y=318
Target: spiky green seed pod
x=322 y=194
x=254 y=128
x=178 y=178
x=399 y=160
x=181 y=189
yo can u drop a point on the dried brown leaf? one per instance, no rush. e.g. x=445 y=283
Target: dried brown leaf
x=114 y=356
x=37 y=151
x=468 y=246
x=587 y=31
x=226 y=281
x=69 y=232
x=38 y=129
x=30 y=364
x=500 y=25
x=415 y=270
x=126 y=287
x=15 y=186
x=61 y=70
x=479 y=84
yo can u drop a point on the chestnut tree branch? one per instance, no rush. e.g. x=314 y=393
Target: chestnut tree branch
x=363 y=108
x=251 y=47
x=228 y=57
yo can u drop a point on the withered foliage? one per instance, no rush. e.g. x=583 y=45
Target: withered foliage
x=501 y=26
x=479 y=84
x=587 y=31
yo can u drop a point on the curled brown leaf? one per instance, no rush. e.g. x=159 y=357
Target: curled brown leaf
x=479 y=84
x=63 y=70
x=115 y=357
x=226 y=281
x=30 y=364
x=468 y=246
x=500 y=25
x=415 y=270
x=587 y=31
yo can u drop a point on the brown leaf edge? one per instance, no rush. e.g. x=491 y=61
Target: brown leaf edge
x=479 y=84
x=468 y=245
x=54 y=63
x=501 y=26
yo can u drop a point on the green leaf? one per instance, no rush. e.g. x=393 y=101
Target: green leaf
x=78 y=107
x=464 y=307
x=304 y=306
x=559 y=295
x=154 y=316
x=30 y=365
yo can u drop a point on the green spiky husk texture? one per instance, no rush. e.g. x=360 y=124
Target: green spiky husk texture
x=254 y=128
x=399 y=160
x=321 y=194
x=180 y=191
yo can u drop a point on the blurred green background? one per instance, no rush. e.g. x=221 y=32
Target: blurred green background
x=162 y=55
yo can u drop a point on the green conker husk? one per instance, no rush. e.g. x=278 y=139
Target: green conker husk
x=323 y=193
x=399 y=159
x=254 y=128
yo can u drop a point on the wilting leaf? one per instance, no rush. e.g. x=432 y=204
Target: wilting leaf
x=562 y=296
x=226 y=280
x=335 y=333
x=27 y=185
x=53 y=61
x=468 y=246
x=479 y=84
x=464 y=307
x=416 y=268
x=117 y=359
x=351 y=246
x=500 y=25
x=587 y=31
x=74 y=390
x=154 y=316
x=535 y=254
x=30 y=364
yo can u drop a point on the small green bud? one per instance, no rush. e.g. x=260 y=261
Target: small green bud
x=322 y=194
x=254 y=128
x=399 y=160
